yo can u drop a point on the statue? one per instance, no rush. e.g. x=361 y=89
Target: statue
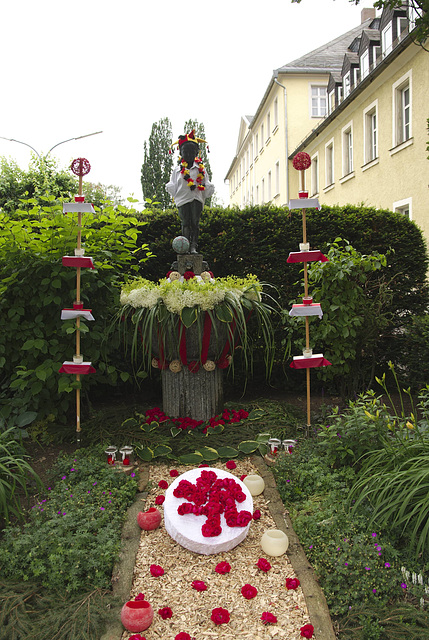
x=189 y=186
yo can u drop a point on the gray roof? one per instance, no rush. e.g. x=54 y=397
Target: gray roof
x=328 y=56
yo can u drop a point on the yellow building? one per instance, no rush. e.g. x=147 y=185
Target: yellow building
x=358 y=106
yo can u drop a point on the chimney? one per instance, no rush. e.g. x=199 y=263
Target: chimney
x=366 y=14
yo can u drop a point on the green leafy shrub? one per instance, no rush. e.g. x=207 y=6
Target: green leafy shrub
x=34 y=287
x=74 y=534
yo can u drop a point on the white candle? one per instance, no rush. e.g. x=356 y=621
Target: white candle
x=274 y=542
x=255 y=484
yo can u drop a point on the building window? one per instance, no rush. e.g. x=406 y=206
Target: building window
x=386 y=40
x=364 y=64
x=402 y=121
x=256 y=145
x=402 y=28
x=262 y=136
x=268 y=125
x=248 y=159
x=262 y=191
x=276 y=113
x=257 y=194
x=404 y=207
x=329 y=163
x=277 y=178
x=370 y=128
x=269 y=186
x=318 y=102
x=347 y=149
x=315 y=174
x=346 y=85
x=331 y=101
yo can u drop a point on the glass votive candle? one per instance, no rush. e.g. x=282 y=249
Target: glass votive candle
x=77 y=358
x=79 y=252
x=304 y=246
x=274 y=542
x=289 y=445
x=255 y=484
x=307 y=300
x=111 y=454
x=126 y=453
x=274 y=444
x=302 y=194
x=307 y=353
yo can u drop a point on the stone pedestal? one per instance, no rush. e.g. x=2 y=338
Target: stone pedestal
x=192 y=395
x=190 y=262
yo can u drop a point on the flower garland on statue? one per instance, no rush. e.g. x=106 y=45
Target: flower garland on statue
x=187 y=176
x=211 y=496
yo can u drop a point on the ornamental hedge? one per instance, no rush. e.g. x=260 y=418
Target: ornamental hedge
x=258 y=240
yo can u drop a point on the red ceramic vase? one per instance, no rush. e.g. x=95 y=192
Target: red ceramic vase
x=137 y=615
x=149 y=520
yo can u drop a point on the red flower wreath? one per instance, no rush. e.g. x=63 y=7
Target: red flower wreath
x=301 y=161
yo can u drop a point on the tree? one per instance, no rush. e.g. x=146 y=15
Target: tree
x=158 y=164
x=419 y=7
x=43 y=177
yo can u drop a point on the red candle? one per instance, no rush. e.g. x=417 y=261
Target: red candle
x=126 y=462
x=111 y=460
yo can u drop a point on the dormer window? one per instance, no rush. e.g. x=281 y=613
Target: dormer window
x=331 y=101
x=346 y=85
x=318 y=101
x=402 y=28
x=386 y=40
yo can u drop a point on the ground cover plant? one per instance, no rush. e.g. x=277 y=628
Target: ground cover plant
x=372 y=560
x=61 y=559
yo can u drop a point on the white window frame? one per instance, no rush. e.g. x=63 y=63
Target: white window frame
x=277 y=178
x=347 y=149
x=346 y=85
x=263 y=191
x=256 y=145
x=314 y=174
x=329 y=164
x=370 y=133
x=268 y=125
x=387 y=40
x=276 y=113
x=402 y=206
x=402 y=131
x=269 y=195
x=262 y=137
x=257 y=194
x=402 y=27
x=331 y=101
x=320 y=97
x=364 y=64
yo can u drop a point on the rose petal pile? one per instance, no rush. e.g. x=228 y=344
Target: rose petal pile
x=263 y=564
x=165 y=613
x=307 y=631
x=182 y=636
x=268 y=618
x=156 y=570
x=223 y=567
x=292 y=583
x=220 y=616
x=211 y=496
x=249 y=592
x=199 y=585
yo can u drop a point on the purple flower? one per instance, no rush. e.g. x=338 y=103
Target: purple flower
x=311 y=546
x=102 y=508
x=72 y=469
x=404 y=585
x=387 y=565
x=378 y=548
x=94 y=483
x=338 y=548
x=367 y=568
x=346 y=564
x=63 y=477
x=374 y=590
x=133 y=475
x=49 y=489
x=374 y=535
x=287 y=480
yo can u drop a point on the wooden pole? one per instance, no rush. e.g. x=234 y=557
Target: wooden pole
x=307 y=323
x=78 y=274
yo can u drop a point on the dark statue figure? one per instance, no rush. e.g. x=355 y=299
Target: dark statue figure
x=190 y=186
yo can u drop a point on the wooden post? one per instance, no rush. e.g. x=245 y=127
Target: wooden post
x=78 y=274
x=307 y=323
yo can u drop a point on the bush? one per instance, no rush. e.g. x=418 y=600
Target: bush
x=34 y=286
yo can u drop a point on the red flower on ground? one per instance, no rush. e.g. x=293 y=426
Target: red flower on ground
x=174 y=473
x=137 y=636
x=140 y=596
x=202 y=465
x=165 y=613
x=220 y=616
x=162 y=484
x=248 y=591
x=199 y=585
x=182 y=636
x=268 y=618
x=263 y=564
x=257 y=514
x=230 y=464
x=292 y=583
x=159 y=499
x=223 y=567
x=156 y=570
x=307 y=631
x=243 y=476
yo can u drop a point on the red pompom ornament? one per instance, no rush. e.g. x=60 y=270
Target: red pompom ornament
x=301 y=161
x=80 y=167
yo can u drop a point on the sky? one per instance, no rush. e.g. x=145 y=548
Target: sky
x=74 y=68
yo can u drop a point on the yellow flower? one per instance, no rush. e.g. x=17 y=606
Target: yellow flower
x=409 y=425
